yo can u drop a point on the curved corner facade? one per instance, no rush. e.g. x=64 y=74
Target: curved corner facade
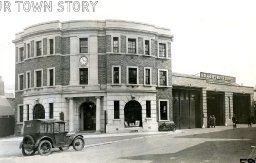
x=103 y=76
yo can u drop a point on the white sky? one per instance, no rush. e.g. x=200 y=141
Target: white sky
x=216 y=36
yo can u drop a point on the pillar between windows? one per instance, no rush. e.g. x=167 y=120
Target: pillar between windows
x=97 y=114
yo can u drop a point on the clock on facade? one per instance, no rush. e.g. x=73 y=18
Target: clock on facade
x=83 y=60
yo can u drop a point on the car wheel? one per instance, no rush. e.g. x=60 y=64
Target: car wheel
x=44 y=147
x=78 y=144
x=64 y=148
x=28 y=146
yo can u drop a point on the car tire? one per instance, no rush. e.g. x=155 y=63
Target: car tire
x=78 y=143
x=28 y=146
x=44 y=148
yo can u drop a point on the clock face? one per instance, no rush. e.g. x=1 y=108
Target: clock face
x=83 y=60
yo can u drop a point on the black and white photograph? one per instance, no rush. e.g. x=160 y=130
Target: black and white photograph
x=126 y=81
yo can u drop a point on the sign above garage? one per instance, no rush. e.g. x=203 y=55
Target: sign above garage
x=216 y=78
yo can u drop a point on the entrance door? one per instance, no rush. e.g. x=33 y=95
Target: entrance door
x=39 y=112
x=215 y=106
x=133 y=113
x=88 y=116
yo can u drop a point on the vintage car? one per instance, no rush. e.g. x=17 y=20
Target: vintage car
x=42 y=135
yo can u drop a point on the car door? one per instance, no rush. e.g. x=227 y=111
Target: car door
x=59 y=133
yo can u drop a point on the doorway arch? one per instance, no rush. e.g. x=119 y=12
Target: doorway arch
x=38 y=112
x=87 y=116
x=133 y=113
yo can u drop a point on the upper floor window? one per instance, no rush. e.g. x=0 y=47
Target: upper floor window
x=116 y=75
x=21 y=81
x=38 y=48
x=51 y=77
x=28 y=79
x=131 y=45
x=115 y=45
x=38 y=78
x=162 y=77
x=132 y=75
x=21 y=52
x=28 y=50
x=147 y=49
x=147 y=73
x=83 y=73
x=51 y=46
x=162 y=50
x=83 y=45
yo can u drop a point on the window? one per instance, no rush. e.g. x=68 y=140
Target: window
x=38 y=78
x=20 y=113
x=43 y=128
x=133 y=76
x=51 y=76
x=116 y=110
x=162 y=78
x=83 y=45
x=21 y=51
x=83 y=75
x=50 y=110
x=148 y=109
x=162 y=50
x=56 y=127
x=28 y=80
x=147 y=76
x=27 y=112
x=147 y=49
x=21 y=80
x=116 y=75
x=38 y=48
x=115 y=45
x=163 y=110
x=131 y=45
x=51 y=46
x=28 y=50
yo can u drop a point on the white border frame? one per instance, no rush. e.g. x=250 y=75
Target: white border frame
x=158 y=78
x=150 y=68
x=27 y=50
x=127 y=74
x=28 y=72
x=48 y=76
x=36 y=76
x=112 y=76
x=168 y=112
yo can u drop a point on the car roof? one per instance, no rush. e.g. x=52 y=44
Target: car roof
x=47 y=120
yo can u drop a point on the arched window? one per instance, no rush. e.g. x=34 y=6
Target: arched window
x=38 y=112
x=133 y=113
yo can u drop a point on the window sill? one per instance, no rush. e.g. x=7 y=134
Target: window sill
x=19 y=123
x=164 y=120
x=116 y=85
x=116 y=119
x=132 y=85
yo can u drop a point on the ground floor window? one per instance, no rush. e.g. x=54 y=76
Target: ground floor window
x=148 y=109
x=163 y=110
x=50 y=110
x=116 y=110
x=21 y=113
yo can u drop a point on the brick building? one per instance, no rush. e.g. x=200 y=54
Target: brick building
x=115 y=76
x=112 y=76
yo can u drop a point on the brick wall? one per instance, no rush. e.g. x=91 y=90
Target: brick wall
x=140 y=45
x=165 y=93
x=65 y=45
x=102 y=75
x=154 y=47
x=45 y=46
x=102 y=44
x=32 y=48
x=108 y=43
x=123 y=44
